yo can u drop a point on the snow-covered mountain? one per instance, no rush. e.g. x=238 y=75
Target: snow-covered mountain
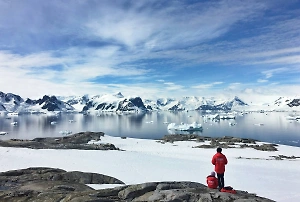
x=118 y=103
x=9 y=101
x=49 y=103
x=114 y=103
x=194 y=103
x=77 y=102
x=14 y=103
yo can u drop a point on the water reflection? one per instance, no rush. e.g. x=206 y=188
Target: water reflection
x=272 y=127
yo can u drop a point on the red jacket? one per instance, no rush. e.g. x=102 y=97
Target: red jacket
x=219 y=160
x=212 y=182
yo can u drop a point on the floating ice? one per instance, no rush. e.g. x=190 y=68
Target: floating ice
x=185 y=127
x=218 y=117
x=212 y=116
x=65 y=132
x=227 y=117
x=14 y=123
x=13 y=114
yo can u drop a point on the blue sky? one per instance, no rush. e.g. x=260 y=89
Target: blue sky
x=150 y=48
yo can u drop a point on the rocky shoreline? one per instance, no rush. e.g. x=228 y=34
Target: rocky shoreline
x=57 y=185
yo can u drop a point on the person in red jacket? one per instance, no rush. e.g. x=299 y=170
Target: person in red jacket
x=219 y=160
x=212 y=181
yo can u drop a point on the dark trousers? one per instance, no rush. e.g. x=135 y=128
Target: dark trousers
x=221 y=180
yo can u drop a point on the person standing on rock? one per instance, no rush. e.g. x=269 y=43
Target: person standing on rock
x=219 y=160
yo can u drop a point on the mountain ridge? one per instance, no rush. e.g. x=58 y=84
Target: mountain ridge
x=10 y=102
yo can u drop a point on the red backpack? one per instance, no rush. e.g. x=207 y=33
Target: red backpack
x=228 y=189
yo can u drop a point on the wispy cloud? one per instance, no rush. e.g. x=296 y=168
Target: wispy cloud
x=36 y=60
x=164 y=45
x=207 y=85
x=269 y=73
x=262 y=80
x=172 y=86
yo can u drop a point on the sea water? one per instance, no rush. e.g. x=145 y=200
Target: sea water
x=273 y=127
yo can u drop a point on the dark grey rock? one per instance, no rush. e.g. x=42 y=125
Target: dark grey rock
x=137 y=190
x=75 y=141
x=53 y=185
x=223 y=142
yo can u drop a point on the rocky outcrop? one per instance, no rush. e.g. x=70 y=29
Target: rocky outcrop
x=224 y=142
x=75 y=141
x=131 y=105
x=182 y=191
x=48 y=184
x=80 y=141
x=294 y=103
x=52 y=185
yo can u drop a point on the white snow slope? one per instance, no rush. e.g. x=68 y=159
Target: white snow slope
x=149 y=160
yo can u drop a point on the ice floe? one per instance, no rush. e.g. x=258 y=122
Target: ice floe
x=65 y=132
x=14 y=123
x=185 y=127
x=3 y=133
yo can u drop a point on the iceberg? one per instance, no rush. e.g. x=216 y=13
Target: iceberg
x=65 y=132
x=3 y=133
x=14 y=123
x=185 y=127
x=212 y=116
x=227 y=117
x=13 y=114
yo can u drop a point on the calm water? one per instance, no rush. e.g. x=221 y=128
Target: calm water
x=269 y=127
